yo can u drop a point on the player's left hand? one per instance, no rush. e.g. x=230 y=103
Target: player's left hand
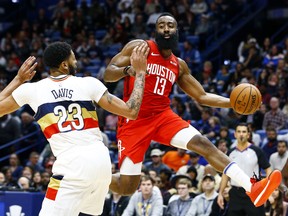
x=27 y=70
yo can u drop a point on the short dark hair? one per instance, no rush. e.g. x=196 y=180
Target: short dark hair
x=283 y=141
x=244 y=125
x=165 y=14
x=147 y=178
x=55 y=53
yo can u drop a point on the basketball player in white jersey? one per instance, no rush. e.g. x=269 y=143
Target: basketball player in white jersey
x=65 y=111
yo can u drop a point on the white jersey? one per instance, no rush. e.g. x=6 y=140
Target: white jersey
x=64 y=109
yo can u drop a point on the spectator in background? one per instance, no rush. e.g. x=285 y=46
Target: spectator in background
x=34 y=162
x=94 y=51
x=243 y=48
x=274 y=117
x=173 y=193
x=156 y=164
x=10 y=181
x=222 y=78
x=2 y=180
x=266 y=47
x=36 y=181
x=258 y=117
x=238 y=73
x=214 y=128
x=224 y=134
x=15 y=166
x=153 y=17
x=199 y=7
x=273 y=57
x=253 y=56
x=192 y=57
x=115 y=205
x=209 y=170
x=222 y=145
x=255 y=137
x=275 y=204
x=165 y=176
x=281 y=72
x=270 y=142
x=174 y=102
x=279 y=158
x=194 y=161
x=27 y=172
x=207 y=73
x=181 y=110
x=188 y=23
x=175 y=159
x=181 y=205
x=216 y=210
x=28 y=126
x=202 y=203
x=45 y=179
x=146 y=201
x=272 y=85
x=10 y=129
x=109 y=37
x=3 y=60
x=139 y=26
x=24 y=183
x=202 y=30
x=203 y=123
x=192 y=174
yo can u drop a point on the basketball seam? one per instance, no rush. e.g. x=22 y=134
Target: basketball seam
x=259 y=96
x=248 y=100
x=238 y=97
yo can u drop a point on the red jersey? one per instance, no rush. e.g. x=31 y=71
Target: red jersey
x=163 y=72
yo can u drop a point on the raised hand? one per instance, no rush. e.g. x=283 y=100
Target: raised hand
x=138 y=58
x=27 y=70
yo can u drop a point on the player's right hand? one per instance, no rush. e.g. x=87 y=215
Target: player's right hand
x=220 y=201
x=138 y=58
x=27 y=70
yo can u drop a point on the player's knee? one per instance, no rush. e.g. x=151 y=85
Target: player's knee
x=200 y=139
x=203 y=144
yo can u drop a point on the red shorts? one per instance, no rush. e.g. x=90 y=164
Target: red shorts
x=134 y=137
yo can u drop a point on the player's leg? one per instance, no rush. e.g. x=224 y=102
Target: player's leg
x=126 y=182
x=134 y=138
x=190 y=138
x=62 y=198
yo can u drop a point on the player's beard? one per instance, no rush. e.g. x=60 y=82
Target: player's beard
x=72 y=70
x=165 y=44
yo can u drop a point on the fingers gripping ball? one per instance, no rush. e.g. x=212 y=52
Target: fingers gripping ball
x=245 y=99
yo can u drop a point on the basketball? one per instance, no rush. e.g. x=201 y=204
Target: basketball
x=245 y=99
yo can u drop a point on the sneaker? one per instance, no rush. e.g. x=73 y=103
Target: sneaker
x=262 y=189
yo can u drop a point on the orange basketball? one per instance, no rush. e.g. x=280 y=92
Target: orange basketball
x=245 y=99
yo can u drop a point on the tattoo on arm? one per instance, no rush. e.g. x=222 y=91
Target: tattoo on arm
x=136 y=96
x=108 y=96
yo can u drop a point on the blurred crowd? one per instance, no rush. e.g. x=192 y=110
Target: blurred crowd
x=97 y=30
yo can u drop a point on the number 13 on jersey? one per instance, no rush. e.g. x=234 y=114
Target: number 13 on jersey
x=159 y=86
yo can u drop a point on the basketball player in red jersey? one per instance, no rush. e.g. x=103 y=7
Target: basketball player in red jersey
x=156 y=121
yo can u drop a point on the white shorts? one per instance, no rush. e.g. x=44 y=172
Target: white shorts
x=86 y=172
x=180 y=140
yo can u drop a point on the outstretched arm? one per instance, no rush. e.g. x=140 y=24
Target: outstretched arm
x=25 y=73
x=115 y=70
x=195 y=90
x=131 y=108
